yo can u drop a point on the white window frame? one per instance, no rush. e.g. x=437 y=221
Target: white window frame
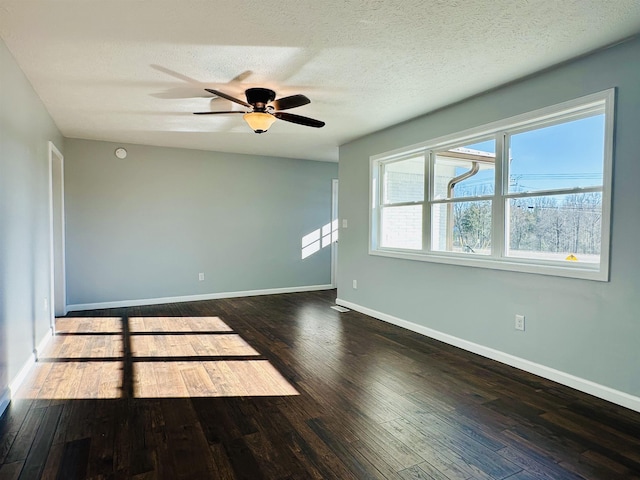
x=555 y=114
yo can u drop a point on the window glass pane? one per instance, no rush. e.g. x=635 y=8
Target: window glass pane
x=568 y=155
x=556 y=227
x=402 y=227
x=467 y=171
x=404 y=181
x=463 y=227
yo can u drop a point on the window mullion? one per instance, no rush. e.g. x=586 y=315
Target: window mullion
x=380 y=202
x=557 y=191
x=499 y=210
x=402 y=204
x=426 y=205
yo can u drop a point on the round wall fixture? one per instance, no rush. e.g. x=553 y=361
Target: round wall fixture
x=121 y=153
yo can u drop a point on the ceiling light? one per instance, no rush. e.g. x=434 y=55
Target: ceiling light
x=259 y=121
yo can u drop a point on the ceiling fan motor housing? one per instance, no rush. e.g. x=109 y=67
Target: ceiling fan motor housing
x=265 y=109
x=259 y=97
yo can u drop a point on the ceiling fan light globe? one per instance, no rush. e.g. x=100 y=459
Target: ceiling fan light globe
x=259 y=121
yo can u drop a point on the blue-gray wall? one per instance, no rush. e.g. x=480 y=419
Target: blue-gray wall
x=25 y=130
x=587 y=329
x=145 y=226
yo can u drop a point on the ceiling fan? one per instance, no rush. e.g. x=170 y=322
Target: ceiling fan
x=265 y=109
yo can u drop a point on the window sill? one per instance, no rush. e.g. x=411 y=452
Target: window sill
x=579 y=271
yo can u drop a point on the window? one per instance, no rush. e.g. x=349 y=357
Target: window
x=530 y=193
x=401 y=206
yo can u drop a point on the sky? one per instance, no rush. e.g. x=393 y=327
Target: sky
x=560 y=156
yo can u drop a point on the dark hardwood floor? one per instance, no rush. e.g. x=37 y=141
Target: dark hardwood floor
x=283 y=387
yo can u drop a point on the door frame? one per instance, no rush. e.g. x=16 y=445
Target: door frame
x=58 y=293
x=334 y=232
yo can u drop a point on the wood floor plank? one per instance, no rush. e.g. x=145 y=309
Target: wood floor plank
x=222 y=466
x=415 y=473
x=595 y=465
x=24 y=439
x=541 y=468
x=283 y=387
x=14 y=415
x=351 y=457
x=188 y=448
x=242 y=460
x=448 y=463
x=52 y=464
x=75 y=456
x=101 y=453
x=10 y=471
x=311 y=449
x=40 y=448
x=595 y=432
x=5 y=444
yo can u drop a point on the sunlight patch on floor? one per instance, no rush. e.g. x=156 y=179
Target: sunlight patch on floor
x=246 y=378
x=150 y=357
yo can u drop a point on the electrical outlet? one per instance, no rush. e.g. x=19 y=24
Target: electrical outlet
x=355 y=284
x=200 y=277
x=345 y=223
x=520 y=322
x=45 y=304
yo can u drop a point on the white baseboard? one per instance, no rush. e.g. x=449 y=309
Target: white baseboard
x=15 y=383
x=601 y=391
x=28 y=365
x=43 y=343
x=194 y=298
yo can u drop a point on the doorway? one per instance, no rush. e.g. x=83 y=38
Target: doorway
x=56 y=235
x=334 y=233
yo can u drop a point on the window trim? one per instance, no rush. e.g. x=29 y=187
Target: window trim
x=547 y=116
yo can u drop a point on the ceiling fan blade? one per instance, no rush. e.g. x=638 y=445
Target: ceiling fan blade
x=292 y=101
x=217 y=113
x=228 y=97
x=300 y=120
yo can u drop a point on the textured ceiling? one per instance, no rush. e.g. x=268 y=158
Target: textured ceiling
x=133 y=71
